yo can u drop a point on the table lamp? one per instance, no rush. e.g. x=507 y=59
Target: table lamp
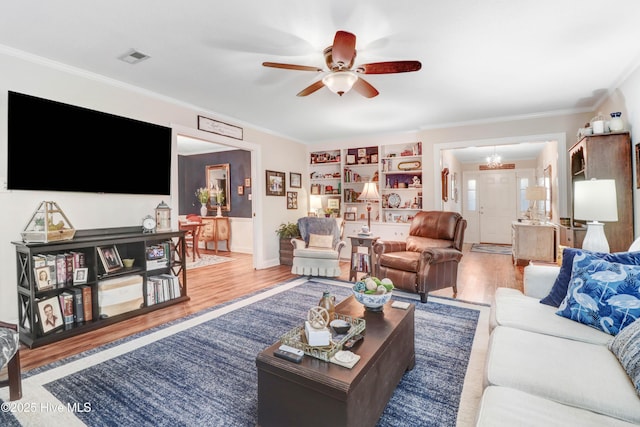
x=536 y=194
x=369 y=194
x=595 y=200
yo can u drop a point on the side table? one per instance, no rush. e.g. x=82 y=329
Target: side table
x=361 y=260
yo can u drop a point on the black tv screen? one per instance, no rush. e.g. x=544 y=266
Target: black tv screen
x=54 y=146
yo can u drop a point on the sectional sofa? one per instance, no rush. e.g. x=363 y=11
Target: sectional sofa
x=545 y=369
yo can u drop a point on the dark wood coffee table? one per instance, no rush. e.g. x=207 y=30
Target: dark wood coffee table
x=318 y=393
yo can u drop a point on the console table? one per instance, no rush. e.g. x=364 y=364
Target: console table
x=533 y=242
x=215 y=229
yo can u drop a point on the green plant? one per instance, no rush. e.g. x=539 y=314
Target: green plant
x=203 y=195
x=288 y=230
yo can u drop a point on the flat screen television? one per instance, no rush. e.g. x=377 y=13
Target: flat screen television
x=54 y=146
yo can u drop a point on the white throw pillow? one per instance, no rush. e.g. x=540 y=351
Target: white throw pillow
x=320 y=241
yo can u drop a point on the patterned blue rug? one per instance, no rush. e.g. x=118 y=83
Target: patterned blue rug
x=200 y=371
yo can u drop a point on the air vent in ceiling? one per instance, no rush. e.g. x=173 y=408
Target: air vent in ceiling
x=133 y=56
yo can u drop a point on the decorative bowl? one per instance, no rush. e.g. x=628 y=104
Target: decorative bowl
x=340 y=326
x=128 y=262
x=372 y=302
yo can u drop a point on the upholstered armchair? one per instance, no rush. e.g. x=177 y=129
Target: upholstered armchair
x=428 y=259
x=10 y=357
x=317 y=251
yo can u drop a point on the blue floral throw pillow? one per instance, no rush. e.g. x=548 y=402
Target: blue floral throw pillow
x=559 y=290
x=604 y=295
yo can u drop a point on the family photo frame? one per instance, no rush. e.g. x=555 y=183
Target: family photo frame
x=295 y=180
x=50 y=314
x=110 y=258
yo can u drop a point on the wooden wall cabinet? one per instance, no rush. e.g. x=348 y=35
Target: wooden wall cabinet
x=608 y=156
x=216 y=229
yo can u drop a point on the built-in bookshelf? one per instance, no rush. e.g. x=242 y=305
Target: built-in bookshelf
x=70 y=287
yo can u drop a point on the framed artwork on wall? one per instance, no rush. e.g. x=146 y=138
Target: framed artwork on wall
x=276 y=183
x=295 y=180
x=292 y=200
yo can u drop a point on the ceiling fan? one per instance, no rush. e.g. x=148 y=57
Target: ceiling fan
x=341 y=77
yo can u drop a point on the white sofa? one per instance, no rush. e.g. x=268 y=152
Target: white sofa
x=545 y=370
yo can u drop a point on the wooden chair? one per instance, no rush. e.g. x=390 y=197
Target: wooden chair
x=192 y=226
x=10 y=356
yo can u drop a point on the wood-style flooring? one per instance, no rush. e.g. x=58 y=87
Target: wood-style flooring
x=479 y=275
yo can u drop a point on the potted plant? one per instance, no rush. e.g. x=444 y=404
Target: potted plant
x=286 y=232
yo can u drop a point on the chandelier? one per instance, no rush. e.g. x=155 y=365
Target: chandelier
x=494 y=161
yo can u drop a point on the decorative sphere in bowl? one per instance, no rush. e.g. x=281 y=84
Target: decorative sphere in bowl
x=372 y=302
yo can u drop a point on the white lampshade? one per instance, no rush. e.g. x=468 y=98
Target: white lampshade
x=595 y=200
x=316 y=203
x=340 y=82
x=536 y=193
x=370 y=192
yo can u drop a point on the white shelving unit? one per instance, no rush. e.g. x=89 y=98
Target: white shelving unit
x=401 y=182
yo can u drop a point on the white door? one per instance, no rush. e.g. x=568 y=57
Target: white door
x=497 y=192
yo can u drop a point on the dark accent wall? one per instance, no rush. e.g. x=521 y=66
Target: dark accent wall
x=192 y=175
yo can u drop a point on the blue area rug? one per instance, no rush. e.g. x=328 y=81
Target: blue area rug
x=205 y=373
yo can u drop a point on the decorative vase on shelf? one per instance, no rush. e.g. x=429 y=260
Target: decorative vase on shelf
x=219 y=212
x=203 y=210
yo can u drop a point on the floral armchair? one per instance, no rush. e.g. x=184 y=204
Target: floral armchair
x=317 y=251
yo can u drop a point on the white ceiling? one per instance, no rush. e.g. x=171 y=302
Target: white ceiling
x=481 y=60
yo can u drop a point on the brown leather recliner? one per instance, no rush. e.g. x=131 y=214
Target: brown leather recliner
x=428 y=259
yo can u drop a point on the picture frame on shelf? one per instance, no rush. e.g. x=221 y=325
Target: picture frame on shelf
x=292 y=200
x=349 y=216
x=362 y=152
x=374 y=158
x=43 y=278
x=276 y=183
x=315 y=189
x=110 y=258
x=351 y=159
x=80 y=275
x=50 y=315
x=295 y=180
x=333 y=203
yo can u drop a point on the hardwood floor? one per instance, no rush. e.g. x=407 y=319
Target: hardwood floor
x=479 y=275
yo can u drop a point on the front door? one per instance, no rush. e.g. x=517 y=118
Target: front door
x=497 y=191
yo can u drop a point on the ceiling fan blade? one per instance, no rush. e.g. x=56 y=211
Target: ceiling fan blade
x=389 y=67
x=291 y=66
x=364 y=88
x=343 y=50
x=311 y=88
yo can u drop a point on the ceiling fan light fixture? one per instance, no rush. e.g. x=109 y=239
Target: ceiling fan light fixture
x=340 y=82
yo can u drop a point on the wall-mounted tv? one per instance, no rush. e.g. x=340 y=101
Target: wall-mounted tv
x=54 y=146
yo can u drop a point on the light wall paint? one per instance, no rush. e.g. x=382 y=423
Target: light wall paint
x=59 y=82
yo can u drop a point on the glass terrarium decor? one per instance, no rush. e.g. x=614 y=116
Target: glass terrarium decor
x=48 y=224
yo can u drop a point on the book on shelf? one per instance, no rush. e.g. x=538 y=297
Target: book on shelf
x=51 y=263
x=87 y=304
x=161 y=288
x=78 y=305
x=157 y=256
x=78 y=259
x=61 y=270
x=66 y=303
x=68 y=258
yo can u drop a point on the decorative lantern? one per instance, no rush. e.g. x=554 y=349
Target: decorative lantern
x=163 y=217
